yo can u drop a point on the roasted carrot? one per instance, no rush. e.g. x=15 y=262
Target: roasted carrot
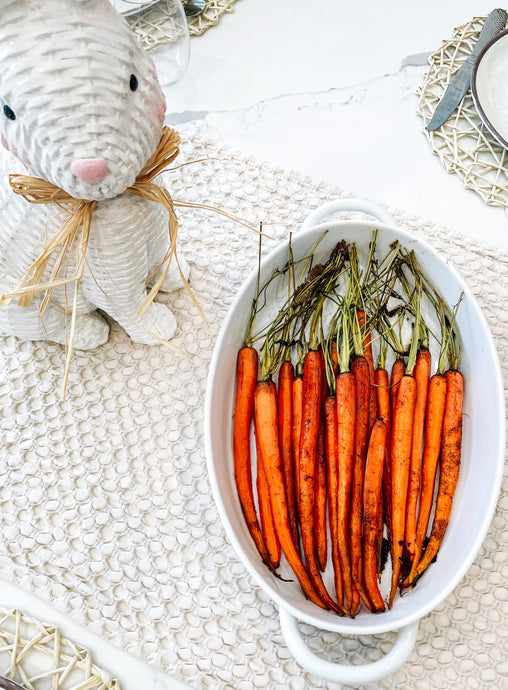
x=398 y=369
x=246 y=378
x=266 y=428
x=451 y=445
x=360 y=370
x=265 y=512
x=332 y=460
x=421 y=375
x=346 y=414
x=320 y=496
x=371 y=511
x=285 y=416
x=433 y=433
x=311 y=411
x=400 y=454
x=295 y=432
x=384 y=413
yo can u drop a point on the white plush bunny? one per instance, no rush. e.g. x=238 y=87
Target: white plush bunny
x=81 y=107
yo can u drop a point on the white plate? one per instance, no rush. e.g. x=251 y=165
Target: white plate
x=482 y=460
x=489 y=87
x=127 y=7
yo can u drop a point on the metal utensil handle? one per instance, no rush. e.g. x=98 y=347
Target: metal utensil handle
x=8 y=684
x=491 y=27
x=346 y=205
x=340 y=673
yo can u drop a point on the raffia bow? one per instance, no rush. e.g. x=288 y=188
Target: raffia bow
x=71 y=240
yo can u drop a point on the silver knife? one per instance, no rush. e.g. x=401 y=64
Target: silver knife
x=8 y=684
x=461 y=81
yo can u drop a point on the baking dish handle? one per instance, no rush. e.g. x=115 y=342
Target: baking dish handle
x=340 y=673
x=346 y=205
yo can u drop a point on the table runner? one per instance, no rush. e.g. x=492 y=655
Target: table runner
x=105 y=507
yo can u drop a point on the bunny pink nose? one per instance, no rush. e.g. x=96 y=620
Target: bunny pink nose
x=92 y=170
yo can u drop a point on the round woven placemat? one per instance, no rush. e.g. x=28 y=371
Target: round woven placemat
x=463 y=143
x=159 y=24
x=36 y=655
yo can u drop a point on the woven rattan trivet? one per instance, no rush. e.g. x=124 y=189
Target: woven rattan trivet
x=36 y=655
x=462 y=143
x=156 y=26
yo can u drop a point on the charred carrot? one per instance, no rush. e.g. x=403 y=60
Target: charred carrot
x=346 y=414
x=296 y=430
x=246 y=378
x=265 y=513
x=266 y=428
x=384 y=413
x=332 y=459
x=285 y=416
x=320 y=497
x=421 y=375
x=451 y=445
x=311 y=410
x=360 y=371
x=400 y=454
x=433 y=433
x=398 y=370
x=371 y=511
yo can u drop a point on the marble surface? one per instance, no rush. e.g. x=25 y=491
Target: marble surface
x=333 y=94
x=329 y=90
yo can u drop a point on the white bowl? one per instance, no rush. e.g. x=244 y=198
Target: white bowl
x=482 y=458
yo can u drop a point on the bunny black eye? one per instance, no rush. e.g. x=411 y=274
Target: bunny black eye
x=9 y=114
x=133 y=83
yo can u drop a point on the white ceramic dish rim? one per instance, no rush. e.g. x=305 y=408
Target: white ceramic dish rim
x=411 y=618
x=481 y=107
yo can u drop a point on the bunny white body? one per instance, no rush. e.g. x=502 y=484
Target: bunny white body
x=81 y=107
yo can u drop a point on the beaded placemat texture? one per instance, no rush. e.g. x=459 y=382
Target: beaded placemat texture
x=106 y=510
x=463 y=143
x=37 y=656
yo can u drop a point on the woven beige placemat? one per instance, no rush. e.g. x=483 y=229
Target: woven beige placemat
x=464 y=145
x=158 y=25
x=37 y=656
x=105 y=506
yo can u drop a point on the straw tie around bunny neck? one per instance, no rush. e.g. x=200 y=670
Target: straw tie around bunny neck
x=71 y=240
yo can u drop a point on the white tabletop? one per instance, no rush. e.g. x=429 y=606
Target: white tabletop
x=331 y=93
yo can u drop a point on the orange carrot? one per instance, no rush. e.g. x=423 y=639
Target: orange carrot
x=266 y=427
x=384 y=413
x=433 y=433
x=265 y=513
x=360 y=370
x=346 y=415
x=371 y=511
x=311 y=410
x=421 y=373
x=332 y=466
x=320 y=497
x=451 y=445
x=247 y=371
x=285 y=416
x=398 y=369
x=400 y=452
x=295 y=433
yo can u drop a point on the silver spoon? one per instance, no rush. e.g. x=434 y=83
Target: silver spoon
x=194 y=7
x=8 y=684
